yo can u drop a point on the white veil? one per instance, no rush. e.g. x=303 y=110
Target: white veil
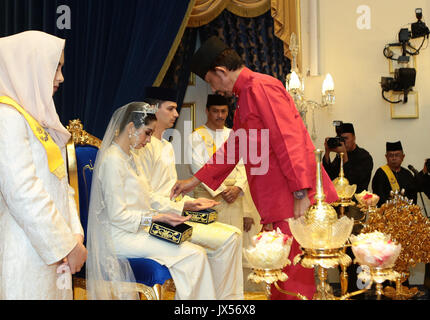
x=108 y=276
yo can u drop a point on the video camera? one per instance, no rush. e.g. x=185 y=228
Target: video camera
x=335 y=142
x=404 y=78
x=428 y=165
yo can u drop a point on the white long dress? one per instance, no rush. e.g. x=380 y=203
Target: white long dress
x=127 y=197
x=223 y=243
x=38 y=216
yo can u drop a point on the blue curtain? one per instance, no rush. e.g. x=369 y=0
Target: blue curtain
x=113 y=49
x=252 y=38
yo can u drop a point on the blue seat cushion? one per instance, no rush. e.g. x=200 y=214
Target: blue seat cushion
x=85 y=158
x=149 y=272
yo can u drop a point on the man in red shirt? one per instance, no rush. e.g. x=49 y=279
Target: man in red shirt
x=280 y=162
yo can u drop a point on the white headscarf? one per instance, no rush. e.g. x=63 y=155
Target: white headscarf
x=28 y=63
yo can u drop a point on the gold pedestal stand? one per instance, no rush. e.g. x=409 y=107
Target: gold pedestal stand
x=401 y=292
x=344 y=203
x=323 y=259
x=378 y=276
x=272 y=276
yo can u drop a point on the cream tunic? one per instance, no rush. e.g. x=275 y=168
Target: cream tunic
x=128 y=197
x=38 y=216
x=230 y=213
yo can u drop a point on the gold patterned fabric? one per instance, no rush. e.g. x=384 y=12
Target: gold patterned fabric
x=286 y=16
x=285 y=13
x=204 y=11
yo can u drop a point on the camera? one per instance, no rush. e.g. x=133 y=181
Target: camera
x=404 y=80
x=335 y=142
x=427 y=163
x=419 y=28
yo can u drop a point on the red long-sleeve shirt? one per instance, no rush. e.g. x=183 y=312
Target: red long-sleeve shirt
x=286 y=160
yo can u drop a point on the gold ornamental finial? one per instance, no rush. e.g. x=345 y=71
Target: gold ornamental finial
x=321 y=212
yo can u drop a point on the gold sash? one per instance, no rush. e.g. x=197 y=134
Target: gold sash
x=55 y=159
x=207 y=138
x=391 y=178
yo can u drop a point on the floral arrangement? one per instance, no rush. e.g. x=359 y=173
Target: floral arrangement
x=375 y=249
x=270 y=250
x=367 y=199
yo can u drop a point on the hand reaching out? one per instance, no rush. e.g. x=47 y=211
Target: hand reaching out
x=200 y=204
x=170 y=218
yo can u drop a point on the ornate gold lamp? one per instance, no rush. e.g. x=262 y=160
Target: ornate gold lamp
x=322 y=236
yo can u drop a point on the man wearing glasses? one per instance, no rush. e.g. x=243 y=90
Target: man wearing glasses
x=393 y=176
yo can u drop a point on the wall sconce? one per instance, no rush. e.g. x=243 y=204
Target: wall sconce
x=295 y=85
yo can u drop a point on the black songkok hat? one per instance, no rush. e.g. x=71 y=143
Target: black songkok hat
x=203 y=59
x=216 y=100
x=347 y=128
x=163 y=94
x=394 y=146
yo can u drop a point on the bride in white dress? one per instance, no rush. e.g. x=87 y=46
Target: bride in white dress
x=120 y=213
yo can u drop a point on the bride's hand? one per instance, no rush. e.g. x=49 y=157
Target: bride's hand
x=200 y=204
x=170 y=218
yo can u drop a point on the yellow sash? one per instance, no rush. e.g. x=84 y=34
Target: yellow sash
x=391 y=178
x=55 y=159
x=207 y=138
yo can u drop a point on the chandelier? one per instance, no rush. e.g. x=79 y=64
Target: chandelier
x=295 y=85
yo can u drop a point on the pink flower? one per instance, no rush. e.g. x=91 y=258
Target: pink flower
x=367 y=196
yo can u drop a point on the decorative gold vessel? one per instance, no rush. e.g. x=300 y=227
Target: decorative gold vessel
x=322 y=236
x=344 y=190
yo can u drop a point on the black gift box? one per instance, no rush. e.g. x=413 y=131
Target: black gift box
x=203 y=216
x=164 y=231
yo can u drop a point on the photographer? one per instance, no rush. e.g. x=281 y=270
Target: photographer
x=357 y=166
x=423 y=179
x=357 y=162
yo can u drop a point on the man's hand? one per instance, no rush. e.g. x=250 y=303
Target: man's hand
x=76 y=258
x=300 y=206
x=247 y=223
x=170 y=218
x=183 y=187
x=200 y=204
x=231 y=193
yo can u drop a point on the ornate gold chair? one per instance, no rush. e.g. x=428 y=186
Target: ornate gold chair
x=153 y=279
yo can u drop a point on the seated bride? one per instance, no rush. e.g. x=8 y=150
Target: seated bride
x=223 y=242
x=121 y=210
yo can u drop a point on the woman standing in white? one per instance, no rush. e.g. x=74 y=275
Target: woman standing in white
x=120 y=212
x=40 y=231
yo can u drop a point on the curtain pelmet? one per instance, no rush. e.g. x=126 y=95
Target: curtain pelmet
x=205 y=11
